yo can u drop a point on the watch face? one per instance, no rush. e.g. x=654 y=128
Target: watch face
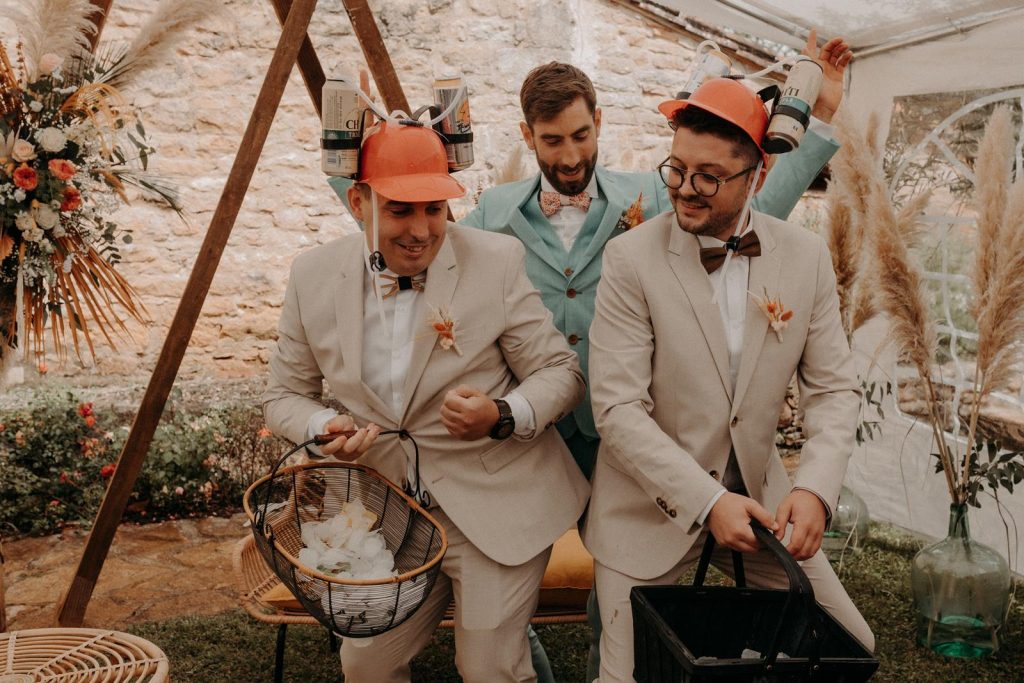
x=504 y=429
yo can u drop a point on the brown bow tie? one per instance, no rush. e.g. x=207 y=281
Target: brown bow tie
x=393 y=284
x=712 y=258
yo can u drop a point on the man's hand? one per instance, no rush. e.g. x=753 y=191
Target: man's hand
x=348 y=448
x=833 y=58
x=729 y=521
x=807 y=514
x=468 y=414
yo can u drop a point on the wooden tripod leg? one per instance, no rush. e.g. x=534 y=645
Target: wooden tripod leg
x=76 y=599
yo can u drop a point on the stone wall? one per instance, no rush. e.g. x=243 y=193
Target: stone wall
x=197 y=107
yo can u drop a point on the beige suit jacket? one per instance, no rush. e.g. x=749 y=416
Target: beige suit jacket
x=664 y=403
x=510 y=498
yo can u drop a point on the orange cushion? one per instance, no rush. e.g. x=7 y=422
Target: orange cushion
x=280 y=597
x=570 y=573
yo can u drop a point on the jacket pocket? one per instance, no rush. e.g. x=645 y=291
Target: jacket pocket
x=502 y=453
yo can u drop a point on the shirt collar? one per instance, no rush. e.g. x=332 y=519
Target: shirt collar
x=706 y=241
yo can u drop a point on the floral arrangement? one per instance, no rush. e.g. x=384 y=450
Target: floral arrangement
x=633 y=215
x=70 y=143
x=998 y=309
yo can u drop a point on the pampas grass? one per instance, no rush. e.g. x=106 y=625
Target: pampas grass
x=155 y=42
x=998 y=277
x=59 y=26
x=513 y=169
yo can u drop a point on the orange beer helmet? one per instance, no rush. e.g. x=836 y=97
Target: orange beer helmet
x=406 y=163
x=730 y=100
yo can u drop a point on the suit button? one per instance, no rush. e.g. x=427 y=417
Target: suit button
x=660 y=502
x=735 y=421
x=714 y=474
x=568 y=272
x=571 y=293
x=573 y=339
x=672 y=514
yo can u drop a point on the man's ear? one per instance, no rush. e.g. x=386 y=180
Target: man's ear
x=355 y=201
x=597 y=122
x=527 y=135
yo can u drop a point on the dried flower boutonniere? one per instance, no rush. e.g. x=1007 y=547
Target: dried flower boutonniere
x=444 y=324
x=633 y=216
x=778 y=316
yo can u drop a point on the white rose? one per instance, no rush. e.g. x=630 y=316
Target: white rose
x=33 y=235
x=45 y=216
x=57 y=232
x=23 y=151
x=51 y=139
x=25 y=222
x=49 y=63
x=36 y=106
x=19 y=195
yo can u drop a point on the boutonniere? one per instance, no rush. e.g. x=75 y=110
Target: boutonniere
x=633 y=216
x=442 y=322
x=778 y=316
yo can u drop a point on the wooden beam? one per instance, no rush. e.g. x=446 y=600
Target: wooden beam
x=376 y=54
x=309 y=64
x=99 y=18
x=76 y=599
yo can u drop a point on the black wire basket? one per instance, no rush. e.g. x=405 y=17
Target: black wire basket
x=698 y=633
x=281 y=502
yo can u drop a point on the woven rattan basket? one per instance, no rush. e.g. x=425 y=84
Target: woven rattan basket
x=280 y=503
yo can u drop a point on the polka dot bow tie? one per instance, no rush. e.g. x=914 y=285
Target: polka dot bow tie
x=552 y=202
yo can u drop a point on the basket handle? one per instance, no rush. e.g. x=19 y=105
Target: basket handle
x=800 y=600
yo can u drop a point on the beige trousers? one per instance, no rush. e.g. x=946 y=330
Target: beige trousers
x=762 y=571
x=493 y=606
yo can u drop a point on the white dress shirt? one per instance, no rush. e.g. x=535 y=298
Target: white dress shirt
x=568 y=222
x=387 y=353
x=731 y=285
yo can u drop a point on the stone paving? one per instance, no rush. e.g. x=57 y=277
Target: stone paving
x=153 y=572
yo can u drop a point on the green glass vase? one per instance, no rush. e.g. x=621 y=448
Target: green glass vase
x=849 y=527
x=961 y=592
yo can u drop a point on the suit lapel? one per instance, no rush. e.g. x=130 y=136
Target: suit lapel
x=617 y=203
x=442 y=276
x=526 y=233
x=684 y=259
x=348 y=309
x=764 y=276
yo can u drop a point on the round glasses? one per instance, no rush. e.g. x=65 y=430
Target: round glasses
x=704 y=184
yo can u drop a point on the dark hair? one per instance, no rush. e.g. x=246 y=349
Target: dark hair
x=702 y=121
x=550 y=88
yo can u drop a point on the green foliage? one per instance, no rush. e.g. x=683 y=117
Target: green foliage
x=991 y=468
x=58 y=453
x=872 y=395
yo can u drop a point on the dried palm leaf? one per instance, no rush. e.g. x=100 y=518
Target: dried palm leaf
x=51 y=26
x=513 y=169
x=154 y=44
x=992 y=184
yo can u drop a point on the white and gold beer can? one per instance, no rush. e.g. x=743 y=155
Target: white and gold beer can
x=792 y=112
x=708 y=64
x=456 y=127
x=341 y=119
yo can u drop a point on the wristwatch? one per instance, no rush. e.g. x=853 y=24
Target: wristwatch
x=506 y=424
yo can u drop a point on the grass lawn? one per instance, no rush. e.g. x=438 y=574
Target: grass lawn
x=233 y=648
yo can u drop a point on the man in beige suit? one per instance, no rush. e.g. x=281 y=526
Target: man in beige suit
x=689 y=374
x=369 y=314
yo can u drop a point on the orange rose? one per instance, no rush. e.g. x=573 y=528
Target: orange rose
x=107 y=470
x=25 y=177
x=62 y=168
x=90 y=421
x=72 y=199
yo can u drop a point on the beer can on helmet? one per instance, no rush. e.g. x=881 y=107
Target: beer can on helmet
x=342 y=128
x=792 y=112
x=456 y=128
x=708 y=64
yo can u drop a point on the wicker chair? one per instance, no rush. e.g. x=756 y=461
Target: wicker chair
x=564 y=602
x=52 y=655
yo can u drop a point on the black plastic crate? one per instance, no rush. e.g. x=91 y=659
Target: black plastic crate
x=692 y=634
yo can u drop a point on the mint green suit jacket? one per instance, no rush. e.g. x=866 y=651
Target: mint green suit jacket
x=567 y=281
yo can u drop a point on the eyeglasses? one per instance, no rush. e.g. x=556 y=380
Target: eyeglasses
x=704 y=184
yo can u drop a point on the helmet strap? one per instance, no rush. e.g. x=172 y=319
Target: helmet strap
x=740 y=225
x=375 y=260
